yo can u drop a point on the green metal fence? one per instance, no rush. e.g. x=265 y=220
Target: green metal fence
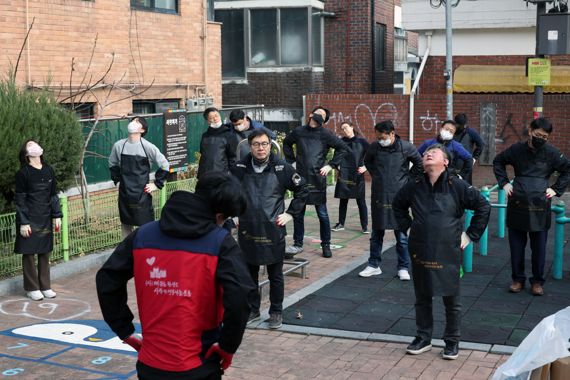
x=86 y=227
x=110 y=130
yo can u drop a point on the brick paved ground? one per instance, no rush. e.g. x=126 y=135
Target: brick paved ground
x=264 y=354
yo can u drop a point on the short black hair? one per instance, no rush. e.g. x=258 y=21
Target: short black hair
x=224 y=193
x=236 y=115
x=257 y=133
x=440 y=147
x=385 y=126
x=208 y=110
x=449 y=122
x=542 y=123
x=461 y=119
x=327 y=112
x=142 y=122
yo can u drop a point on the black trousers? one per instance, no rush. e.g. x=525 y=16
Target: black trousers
x=36 y=279
x=517 y=243
x=209 y=370
x=362 y=211
x=424 y=317
x=276 y=287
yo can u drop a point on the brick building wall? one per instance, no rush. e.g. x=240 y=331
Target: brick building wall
x=274 y=89
x=349 y=46
x=365 y=110
x=161 y=49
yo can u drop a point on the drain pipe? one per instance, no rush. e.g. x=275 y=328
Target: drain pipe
x=416 y=84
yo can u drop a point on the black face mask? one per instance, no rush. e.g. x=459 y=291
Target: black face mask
x=537 y=142
x=318 y=119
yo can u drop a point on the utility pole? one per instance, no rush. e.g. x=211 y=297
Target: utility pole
x=538 y=90
x=448 y=60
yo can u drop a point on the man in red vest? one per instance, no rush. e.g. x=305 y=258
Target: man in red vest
x=191 y=285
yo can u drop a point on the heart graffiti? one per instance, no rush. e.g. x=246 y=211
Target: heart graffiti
x=365 y=118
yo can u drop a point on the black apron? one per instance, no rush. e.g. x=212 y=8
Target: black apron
x=393 y=175
x=135 y=205
x=38 y=200
x=350 y=184
x=311 y=157
x=260 y=239
x=528 y=209
x=434 y=245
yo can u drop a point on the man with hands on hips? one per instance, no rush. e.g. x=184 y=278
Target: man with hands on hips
x=529 y=199
x=436 y=238
x=261 y=229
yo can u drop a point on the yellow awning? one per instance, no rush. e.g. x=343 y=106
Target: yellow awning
x=494 y=78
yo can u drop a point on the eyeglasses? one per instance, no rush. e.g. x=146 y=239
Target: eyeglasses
x=263 y=144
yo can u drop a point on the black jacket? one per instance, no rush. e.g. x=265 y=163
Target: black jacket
x=313 y=145
x=435 y=229
x=390 y=170
x=528 y=209
x=261 y=240
x=213 y=275
x=350 y=184
x=217 y=150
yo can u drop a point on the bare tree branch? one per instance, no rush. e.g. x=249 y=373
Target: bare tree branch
x=23 y=45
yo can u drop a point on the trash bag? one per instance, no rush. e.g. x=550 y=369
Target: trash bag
x=546 y=343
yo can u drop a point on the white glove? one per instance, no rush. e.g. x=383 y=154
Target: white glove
x=150 y=187
x=57 y=224
x=25 y=230
x=550 y=193
x=283 y=219
x=325 y=170
x=464 y=240
x=474 y=161
x=236 y=221
x=362 y=169
x=508 y=189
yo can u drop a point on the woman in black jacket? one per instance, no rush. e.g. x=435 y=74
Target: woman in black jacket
x=350 y=183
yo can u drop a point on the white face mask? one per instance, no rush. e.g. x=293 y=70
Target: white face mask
x=240 y=128
x=445 y=135
x=385 y=143
x=34 y=150
x=216 y=125
x=134 y=127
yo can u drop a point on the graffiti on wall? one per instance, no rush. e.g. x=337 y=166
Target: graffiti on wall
x=429 y=122
x=364 y=117
x=508 y=133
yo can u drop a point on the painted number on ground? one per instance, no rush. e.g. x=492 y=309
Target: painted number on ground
x=19 y=345
x=101 y=360
x=13 y=371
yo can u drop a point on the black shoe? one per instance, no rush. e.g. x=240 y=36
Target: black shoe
x=418 y=346
x=451 y=350
x=338 y=227
x=327 y=251
x=253 y=316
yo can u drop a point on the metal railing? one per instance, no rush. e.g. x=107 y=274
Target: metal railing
x=559 y=209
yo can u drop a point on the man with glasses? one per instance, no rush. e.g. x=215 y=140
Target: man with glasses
x=261 y=230
x=528 y=206
x=313 y=142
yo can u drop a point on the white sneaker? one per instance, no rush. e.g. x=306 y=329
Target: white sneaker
x=293 y=249
x=35 y=295
x=49 y=293
x=403 y=275
x=370 y=271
